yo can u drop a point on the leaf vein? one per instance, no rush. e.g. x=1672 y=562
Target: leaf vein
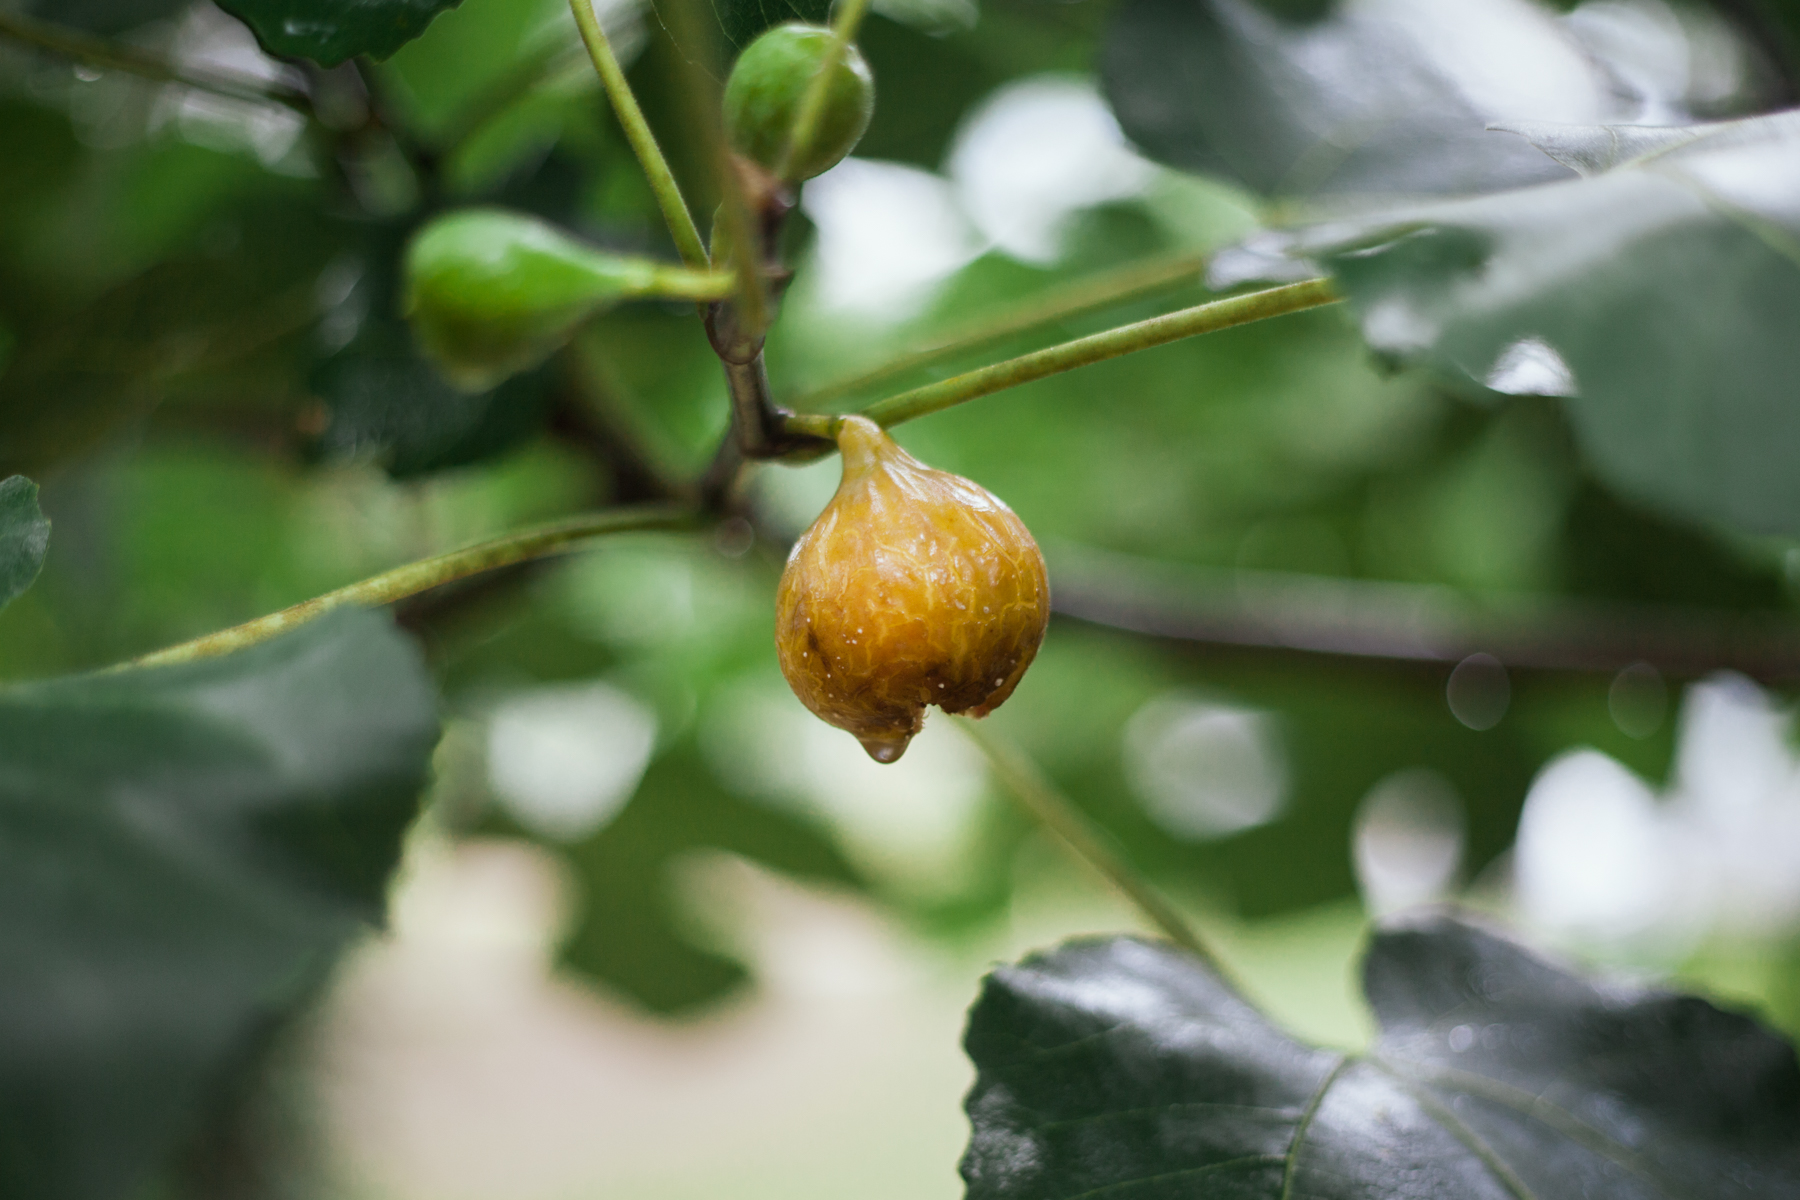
x=1537 y=1108
x=1305 y=1123
x=1457 y=1128
x=1112 y=1114
x=1254 y=1160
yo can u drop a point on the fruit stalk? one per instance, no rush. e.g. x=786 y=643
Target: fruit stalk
x=643 y=141
x=1127 y=339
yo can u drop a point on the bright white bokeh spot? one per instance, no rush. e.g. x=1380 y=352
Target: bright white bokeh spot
x=887 y=235
x=564 y=760
x=209 y=41
x=1531 y=367
x=1737 y=801
x=1643 y=45
x=1593 y=860
x=1034 y=154
x=1600 y=860
x=1202 y=769
x=1407 y=841
x=1507 y=57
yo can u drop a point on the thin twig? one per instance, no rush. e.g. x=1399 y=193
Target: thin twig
x=1131 y=282
x=413 y=578
x=643 y=142
x=700 y=95
x=1127 y=339
x=1051 y=809
x=109 y=55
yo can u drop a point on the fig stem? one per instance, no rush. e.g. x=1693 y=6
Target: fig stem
x=1057 y=813
x=818 y=89
x=114 y=56
x=1126 y=339
x=700 y=102
x=643 y=141
x=521 y=545
x=1103 y=290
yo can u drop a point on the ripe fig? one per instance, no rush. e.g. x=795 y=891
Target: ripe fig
x=768 y=87
x=914 y=587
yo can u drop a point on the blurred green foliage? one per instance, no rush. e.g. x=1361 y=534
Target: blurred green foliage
x=203 y=362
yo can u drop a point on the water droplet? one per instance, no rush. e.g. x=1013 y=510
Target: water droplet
x=885 y=749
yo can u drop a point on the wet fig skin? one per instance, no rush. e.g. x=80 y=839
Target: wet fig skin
x=914 y=587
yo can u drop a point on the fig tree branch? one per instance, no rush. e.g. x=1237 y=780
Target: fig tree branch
x=700 y=96
x=520 y=546
x=1264 y=611
x=643 y=141
x=113 y=56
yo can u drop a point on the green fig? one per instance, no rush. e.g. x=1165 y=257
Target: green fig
x=768 y=88
x=491 y=292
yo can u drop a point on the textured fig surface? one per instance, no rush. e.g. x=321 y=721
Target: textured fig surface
x=914 y=587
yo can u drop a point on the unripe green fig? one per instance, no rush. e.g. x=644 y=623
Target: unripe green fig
x=914 y=587
x=490 y=292
x=768 y=88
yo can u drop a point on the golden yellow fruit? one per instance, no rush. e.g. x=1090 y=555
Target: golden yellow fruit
x=913 y=587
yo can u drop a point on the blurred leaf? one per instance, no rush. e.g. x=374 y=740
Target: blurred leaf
x=42 y=154
x=106 y=16
x=923 y=86
x=24 y=537
x=1128 y=1067
x=330 y=31
x=1656 y=296
x=1339 y=731
x=384 y=401
x=387 y=403
x=1384 y=100
x=186 y=849
x=227 y=310
x=629 y=932
x=742 y=20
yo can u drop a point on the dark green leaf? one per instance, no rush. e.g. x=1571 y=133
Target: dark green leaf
x=1376 y=101
x=384 y=401
x=387 y=403
x=1128 y=1068
x=1658 y=296
x=24 y=537
x=182 y=852
x=106 y=16
x=329 y=31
